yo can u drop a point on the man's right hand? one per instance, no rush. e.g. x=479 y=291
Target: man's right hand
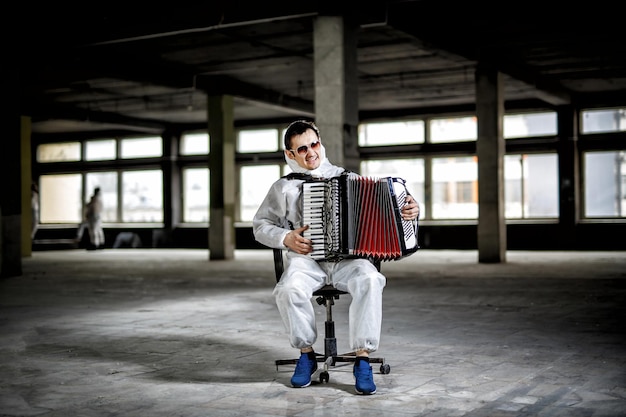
x=298 y=243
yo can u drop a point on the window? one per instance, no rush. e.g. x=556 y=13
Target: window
x=443 y=179
x=142 y=196
x=455 y=188
x=605 y=184
x=58 y=152
x=196 y=204
x=604 y=120
x=141 y=147
x=60 y=198
x=265 y=140
x=100 y=150
x=391 y=133
x=194 y=144
x=531 y=186
x=255 y=183
x=455 y=129
x=530 y=124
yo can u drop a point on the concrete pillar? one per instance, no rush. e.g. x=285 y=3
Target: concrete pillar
x=222 y=181
x=27 y=180
x=336 y=88
x=490 y=150
x=171 y=189
x=569 y=189
x=11 y=172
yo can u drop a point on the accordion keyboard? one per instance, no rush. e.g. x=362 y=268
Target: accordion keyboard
x=313 y=215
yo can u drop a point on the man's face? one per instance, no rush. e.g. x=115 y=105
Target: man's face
x=305 y=150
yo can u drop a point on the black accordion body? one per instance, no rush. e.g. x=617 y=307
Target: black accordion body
x=357 y=217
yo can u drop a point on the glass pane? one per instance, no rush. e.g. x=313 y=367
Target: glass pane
x=57 y=152
x=194 y=144
x=541 y=185
x=196 y=195
x=142 y=196
x=411 y=170
x=513 y=184
x=100 y=150
x=530 y=124
x=257 y=140
x=60 y=198
x=531 y=186
x=255 y=182
x=392 y=133
x=141 y=147
x=455 y=188
x=605 y=184
x=608 y=120
x=107 y=181
x=456 y=129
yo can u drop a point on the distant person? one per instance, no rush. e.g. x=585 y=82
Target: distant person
x=93 y=222
x=34 y=206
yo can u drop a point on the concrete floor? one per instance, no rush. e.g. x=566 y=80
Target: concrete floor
x=147 y=332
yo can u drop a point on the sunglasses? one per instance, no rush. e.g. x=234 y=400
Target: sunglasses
x=303 y=150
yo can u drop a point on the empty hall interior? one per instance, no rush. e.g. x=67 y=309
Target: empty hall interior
x=507 y=126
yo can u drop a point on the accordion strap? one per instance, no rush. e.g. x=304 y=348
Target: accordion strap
x=298 y=176
x=307 y=177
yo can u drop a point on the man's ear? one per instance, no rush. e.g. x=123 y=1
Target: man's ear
x=289 y=154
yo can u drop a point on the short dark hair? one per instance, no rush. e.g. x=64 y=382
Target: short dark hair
x=297 y=128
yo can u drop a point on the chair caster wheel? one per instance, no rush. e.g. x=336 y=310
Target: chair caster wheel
x=324 y=377
x=385 y=369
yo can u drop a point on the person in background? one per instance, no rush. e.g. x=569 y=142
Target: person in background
x=34 y=206
x=93 y=221
x=278 y=224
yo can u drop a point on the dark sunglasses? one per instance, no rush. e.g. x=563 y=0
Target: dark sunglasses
x=303 y=150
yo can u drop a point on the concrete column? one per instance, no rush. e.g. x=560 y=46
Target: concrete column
x=11 y=172
x=27 y=180
x=336 y=88
x=222 y=182
x=569 y=189
x=171 y=189
x=490 y=151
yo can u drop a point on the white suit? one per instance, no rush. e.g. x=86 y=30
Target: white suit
x=278 y=214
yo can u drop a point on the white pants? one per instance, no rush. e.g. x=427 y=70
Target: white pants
x=358 y=277
x=96 y=234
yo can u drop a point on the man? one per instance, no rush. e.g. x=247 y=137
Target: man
x=278 y=224
x=94 y=221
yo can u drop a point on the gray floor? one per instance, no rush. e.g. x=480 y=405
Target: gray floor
x=146 y=332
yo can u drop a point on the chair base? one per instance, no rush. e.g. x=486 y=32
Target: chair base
x=333 y=360
x=329 y=361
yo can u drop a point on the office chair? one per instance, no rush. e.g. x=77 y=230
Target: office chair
x=326 y=296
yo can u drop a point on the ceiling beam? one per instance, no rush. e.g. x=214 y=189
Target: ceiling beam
x=219 y=85
x=59 y=111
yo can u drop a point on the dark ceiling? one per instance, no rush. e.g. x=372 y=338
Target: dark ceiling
x=100 y=69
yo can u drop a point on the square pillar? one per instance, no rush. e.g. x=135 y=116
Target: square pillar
x=490 y=149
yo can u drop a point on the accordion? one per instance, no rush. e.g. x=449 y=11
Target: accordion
x=357 y=217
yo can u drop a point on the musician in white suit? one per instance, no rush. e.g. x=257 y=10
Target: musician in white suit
x=278 y=224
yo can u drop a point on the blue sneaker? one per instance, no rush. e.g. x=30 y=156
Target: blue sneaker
x=364 y=378
x=304 y=369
